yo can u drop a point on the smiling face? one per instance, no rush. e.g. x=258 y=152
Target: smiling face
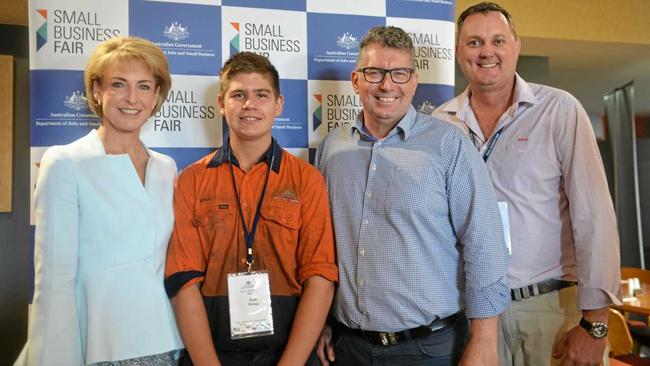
x=487 y=52
x=250 y=107
x=384 y=103
x=127 y=94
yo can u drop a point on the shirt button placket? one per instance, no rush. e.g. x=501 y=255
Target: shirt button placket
x=364 y=234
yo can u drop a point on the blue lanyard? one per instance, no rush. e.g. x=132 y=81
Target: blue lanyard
x=250 y=236
x=491 y=145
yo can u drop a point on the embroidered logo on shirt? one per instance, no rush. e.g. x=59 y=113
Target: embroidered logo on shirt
x=288 y=194
x=522 y=139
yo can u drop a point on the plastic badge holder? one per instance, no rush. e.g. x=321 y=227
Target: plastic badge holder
x=249 y=300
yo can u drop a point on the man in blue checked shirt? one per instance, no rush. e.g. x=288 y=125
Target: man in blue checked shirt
x=419 y=238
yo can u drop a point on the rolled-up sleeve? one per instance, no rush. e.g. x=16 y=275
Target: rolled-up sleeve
x=477 y=223
x=186 y=260
x=316 y=255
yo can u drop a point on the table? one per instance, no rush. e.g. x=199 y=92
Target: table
x=639 y=305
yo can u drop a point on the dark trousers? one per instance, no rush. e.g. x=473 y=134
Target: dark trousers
x=442 y=348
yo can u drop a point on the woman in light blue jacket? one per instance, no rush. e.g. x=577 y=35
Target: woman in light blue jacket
x=103 y=207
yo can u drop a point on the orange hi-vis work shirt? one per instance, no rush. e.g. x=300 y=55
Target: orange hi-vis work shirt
x=294 y=238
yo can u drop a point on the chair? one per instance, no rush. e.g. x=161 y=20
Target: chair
x=615 y=362
x=618 y=336
x=638 y=325
x=620 y=341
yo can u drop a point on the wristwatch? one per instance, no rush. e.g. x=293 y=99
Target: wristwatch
x=597 y=330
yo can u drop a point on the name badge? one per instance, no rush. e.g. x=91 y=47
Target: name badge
x=505 y=221
x=249 y=303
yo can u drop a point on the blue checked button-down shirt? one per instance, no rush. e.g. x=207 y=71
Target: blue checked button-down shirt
x=417 y=227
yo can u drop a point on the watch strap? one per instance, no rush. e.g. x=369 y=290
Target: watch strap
x=597 y=330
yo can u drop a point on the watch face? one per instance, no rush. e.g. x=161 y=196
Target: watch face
x=598 y=330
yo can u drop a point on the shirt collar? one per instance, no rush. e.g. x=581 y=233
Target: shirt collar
x=273 y=153
x=523 y=95
x=403 y=127
x=98 y=145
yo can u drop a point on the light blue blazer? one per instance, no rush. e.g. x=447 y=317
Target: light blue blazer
x=101 y=240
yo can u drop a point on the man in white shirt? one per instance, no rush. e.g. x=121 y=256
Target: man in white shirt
x=544 y=163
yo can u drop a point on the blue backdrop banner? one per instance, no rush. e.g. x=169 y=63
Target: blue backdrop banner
x=313 y=43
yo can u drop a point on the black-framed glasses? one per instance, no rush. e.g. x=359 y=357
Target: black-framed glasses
x=399 y=75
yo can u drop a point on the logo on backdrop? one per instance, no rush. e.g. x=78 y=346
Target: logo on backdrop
x=426 y=107
x=263 y=38
x=59 y=114
x=234 y=42
x=347 y=41
x=428 y=48
x=188 y=34
x=340 y=109
x=433 y=41
x=176 y=32
x=428 y=96
x=41 y=32
x=332 y=104
x=80 y=115
x=76 y=101
x=334 y=44
x=189 y=117
x=71 y=29
x=347 y=52
x=181 y=106
x=279 y=35
x=318 y=113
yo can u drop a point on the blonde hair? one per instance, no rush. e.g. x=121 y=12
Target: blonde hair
x=121 y=49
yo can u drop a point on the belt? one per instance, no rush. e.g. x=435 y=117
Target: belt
x=539 y=288
x=391 y=338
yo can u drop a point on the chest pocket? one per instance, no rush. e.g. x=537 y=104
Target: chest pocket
x=215 y=222
x=528 y=167
x=212 y=215
x=280 y=229
x=402 y=196
x=282 y=212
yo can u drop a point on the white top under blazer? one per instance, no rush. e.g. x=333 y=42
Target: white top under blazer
x=100 y=246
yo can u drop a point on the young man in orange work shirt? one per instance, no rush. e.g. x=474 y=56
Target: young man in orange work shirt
x=250 y=217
